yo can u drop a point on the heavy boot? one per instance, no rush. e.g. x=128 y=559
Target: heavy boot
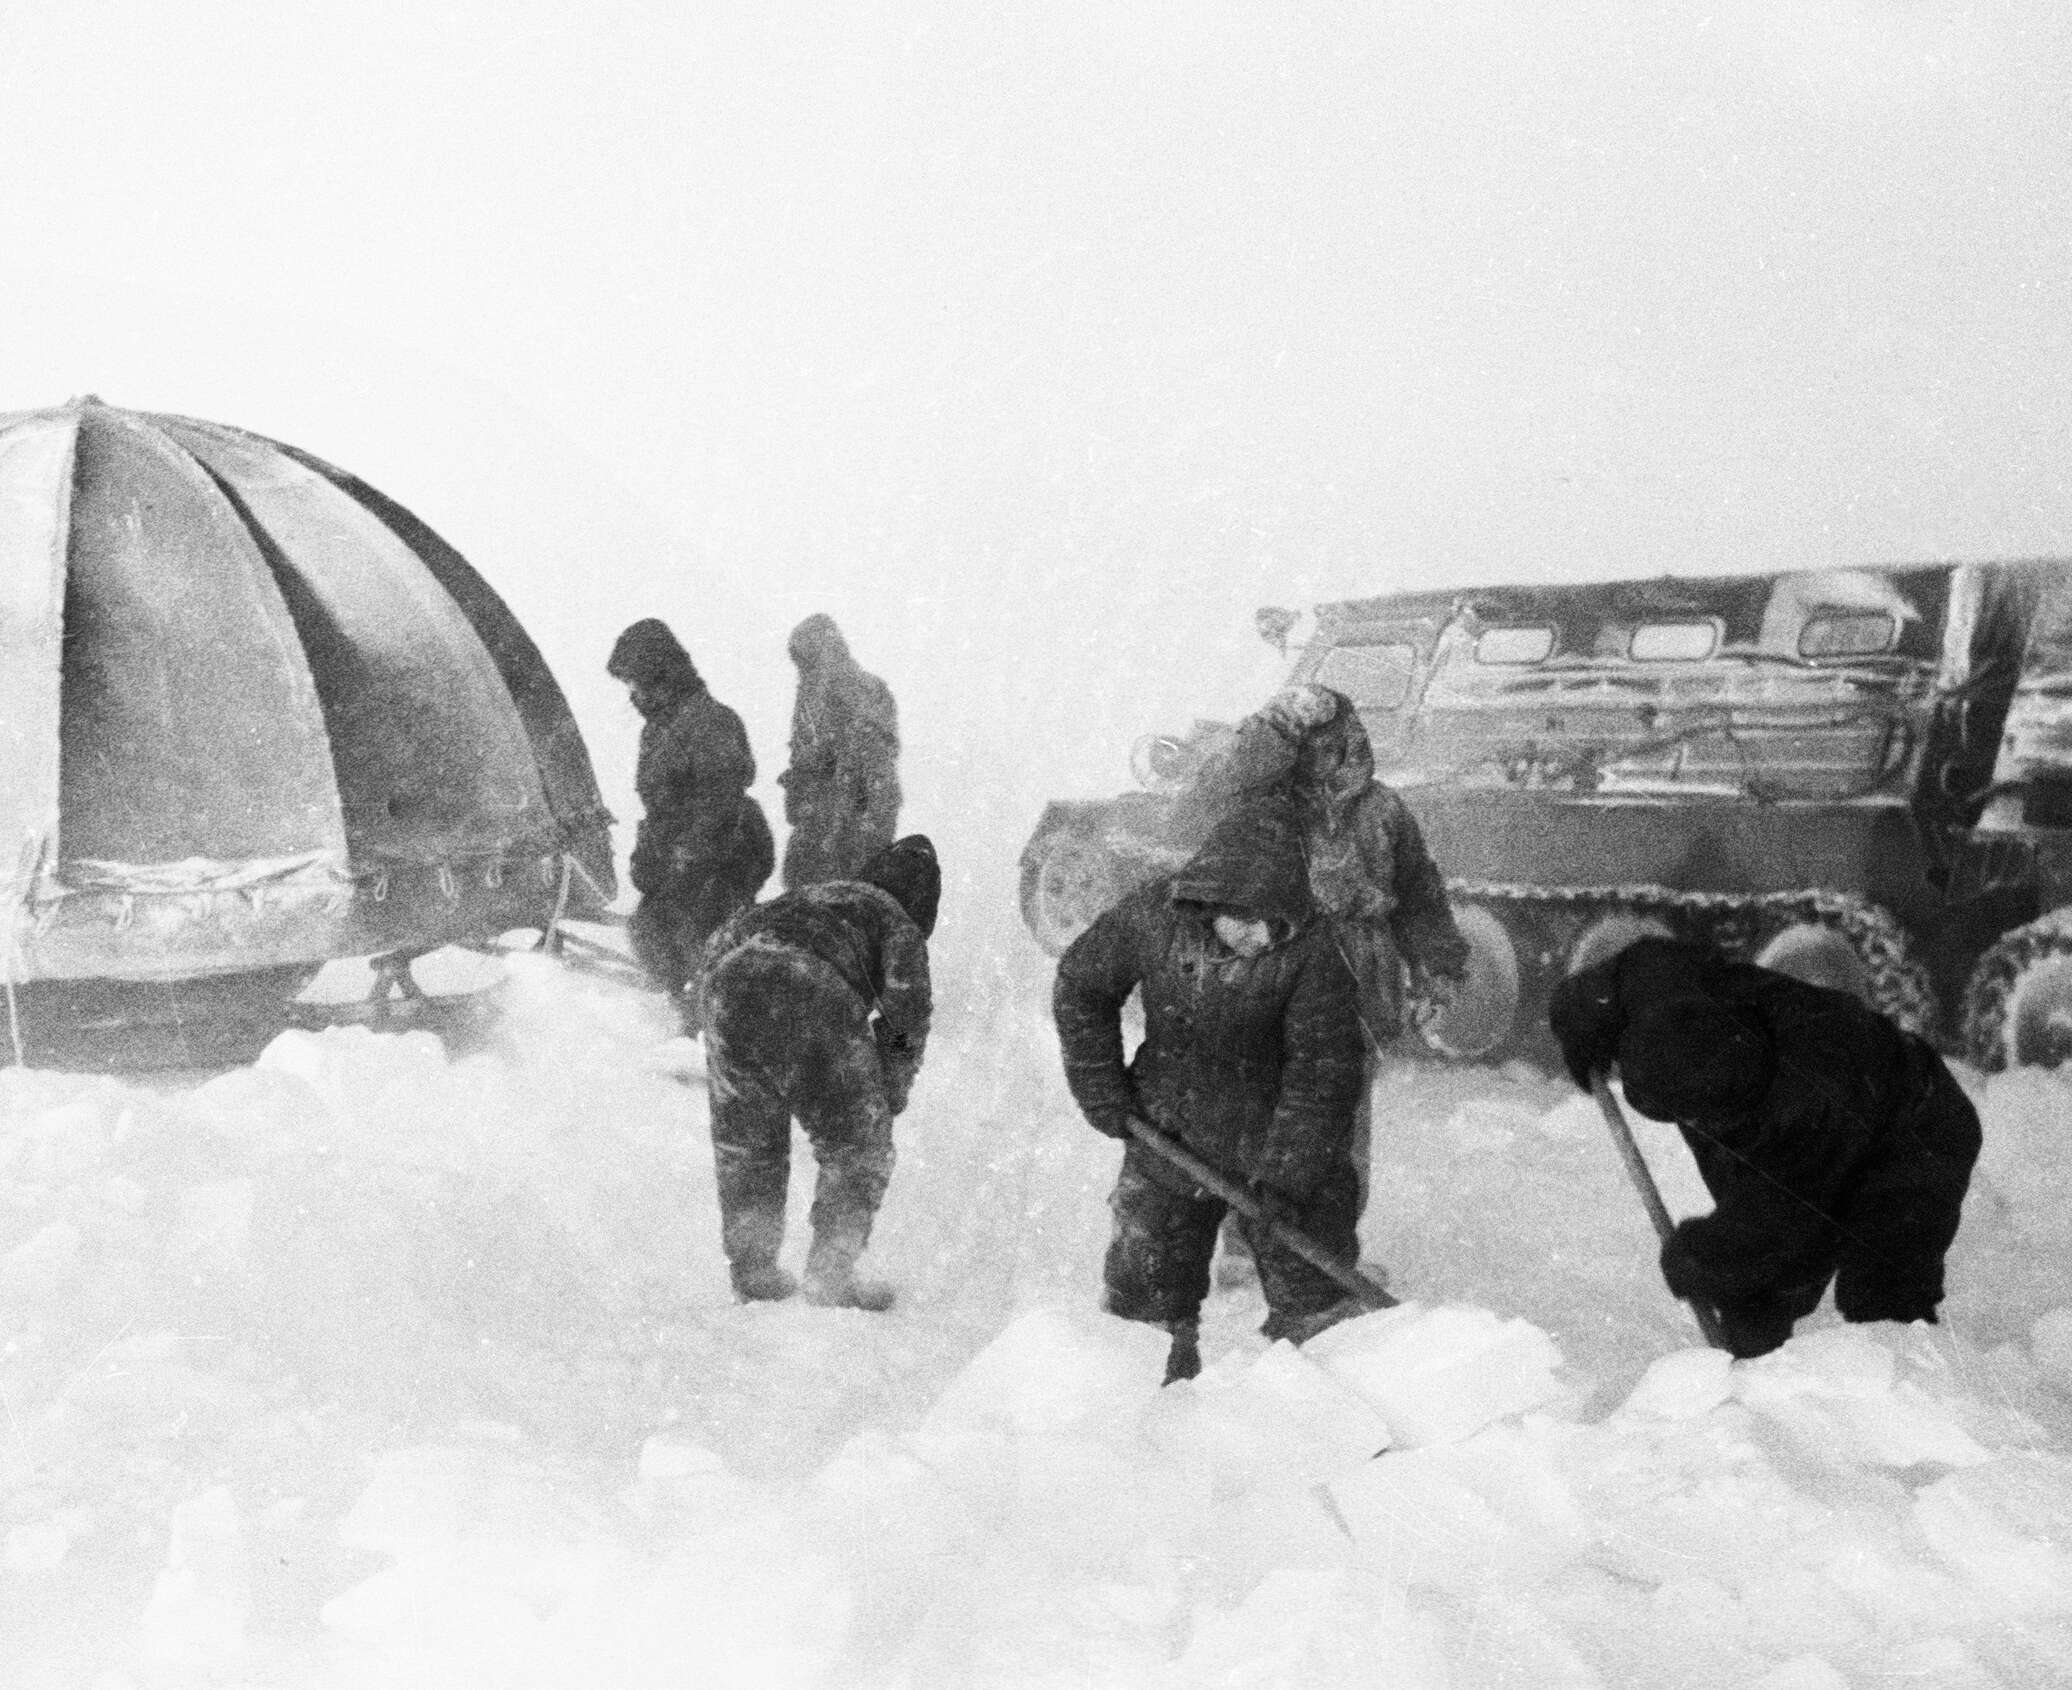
x=1183 y=1360
x=760 y=1281
x=1298 y=1329
x=832 y=1280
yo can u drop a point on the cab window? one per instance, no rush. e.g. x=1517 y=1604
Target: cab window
x=1673 y=642
x=1848 y=633
x=1374 y=677
x=1514 y=645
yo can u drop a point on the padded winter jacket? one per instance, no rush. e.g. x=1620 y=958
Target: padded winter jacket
x=1369 y=870
x=1255 y=1063
x=866 y=937
x=842 y=783
x=693 y=775
x=1857 y=1156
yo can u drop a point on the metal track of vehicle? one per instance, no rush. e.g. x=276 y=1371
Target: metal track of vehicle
x=1739 y=922
x=2042 y=944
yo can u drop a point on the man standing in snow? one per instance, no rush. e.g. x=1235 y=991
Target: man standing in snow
x=1251 y=1059
x=703 y=848
x=841 y=792
x=1382 y=896
x=817 y=1006
x=1835 y=1146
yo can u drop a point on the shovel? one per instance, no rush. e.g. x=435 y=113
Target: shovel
x=1366 y=1291
x=1650 y=1193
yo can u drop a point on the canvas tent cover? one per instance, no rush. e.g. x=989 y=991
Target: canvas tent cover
x=254 y=713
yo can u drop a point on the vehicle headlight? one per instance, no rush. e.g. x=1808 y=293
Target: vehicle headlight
x=1158 y=760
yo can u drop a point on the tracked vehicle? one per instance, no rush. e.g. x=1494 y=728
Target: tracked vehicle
x=1863 y=777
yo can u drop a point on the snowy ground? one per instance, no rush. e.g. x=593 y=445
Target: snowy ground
x=366 y=1366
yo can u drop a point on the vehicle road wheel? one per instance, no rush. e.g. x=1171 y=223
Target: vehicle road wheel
x=2019 y=1009
x=1611 y=935
x=1821 y=957
x=1064 y=887
x=1481 y=1023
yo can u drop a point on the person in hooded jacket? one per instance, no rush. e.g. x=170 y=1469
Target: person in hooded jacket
x=817 y=1006
x=841 y=790
x=703 y=848
x=1250 y=1058
x=1836 y=1146
x=1369 y=869
x=1382 y=895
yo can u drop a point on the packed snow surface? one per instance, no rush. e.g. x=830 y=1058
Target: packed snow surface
x=375 y=1364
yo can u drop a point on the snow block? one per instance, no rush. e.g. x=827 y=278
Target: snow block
x=1802 y=1672
x=1052 y=1370
x=1274 y=1528
x=1441 y=1374
x=1086 y=1506
x=1682 y=1386
x=2050 y=1341
x=2005 y=1527
x=199 y=1605
x=1322 y=1631
x=1837 y=1392
x=1277 y=1417
x=1456 y=1516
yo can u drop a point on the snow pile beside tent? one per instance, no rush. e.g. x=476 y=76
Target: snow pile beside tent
x=363 y=1366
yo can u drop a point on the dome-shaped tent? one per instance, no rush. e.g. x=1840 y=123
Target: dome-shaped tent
x=255 y=715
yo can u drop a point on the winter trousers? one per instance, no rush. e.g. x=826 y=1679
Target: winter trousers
x=786 y=1037
x=1234 y=1244
x=1157 y=1267
x=1884 y=1249
x=668 y=930
x=832 y=839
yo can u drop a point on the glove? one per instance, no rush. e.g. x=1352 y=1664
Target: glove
x=1580 y=1069
x=1685 y=1269
x=1111 y=1123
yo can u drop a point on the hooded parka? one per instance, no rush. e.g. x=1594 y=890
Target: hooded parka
x=841 y=790
x=1835 y=1146
x=817 y=1007
x=703 y=848
x=1369 y=870
x=1252 y=1062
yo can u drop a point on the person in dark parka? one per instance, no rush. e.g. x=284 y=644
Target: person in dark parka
x=1251 y=1058
x=1835 y=1146
x=1369 y=870
x=817 y=1006
x=841 y=790
x=703 y=848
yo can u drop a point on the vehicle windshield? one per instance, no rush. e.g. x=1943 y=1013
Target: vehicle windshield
x=1374 y=677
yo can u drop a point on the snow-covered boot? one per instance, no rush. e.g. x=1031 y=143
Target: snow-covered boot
x=1300 y=1328
x=761 y=1282
x=1183 y=1360
x=832 y=1280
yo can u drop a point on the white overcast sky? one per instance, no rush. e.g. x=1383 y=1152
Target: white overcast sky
x=1041 y=342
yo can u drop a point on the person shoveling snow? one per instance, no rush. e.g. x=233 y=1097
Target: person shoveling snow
x=1836 y=1146
x=1251 y=1061
x=817 y=1004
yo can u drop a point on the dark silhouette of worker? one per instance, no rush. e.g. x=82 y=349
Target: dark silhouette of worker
x=704 y=848
x=841 y=792
x=1835 y=1146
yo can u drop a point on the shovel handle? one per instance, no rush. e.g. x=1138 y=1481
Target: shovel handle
x=1650 y=1194
x=1300 y=1243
